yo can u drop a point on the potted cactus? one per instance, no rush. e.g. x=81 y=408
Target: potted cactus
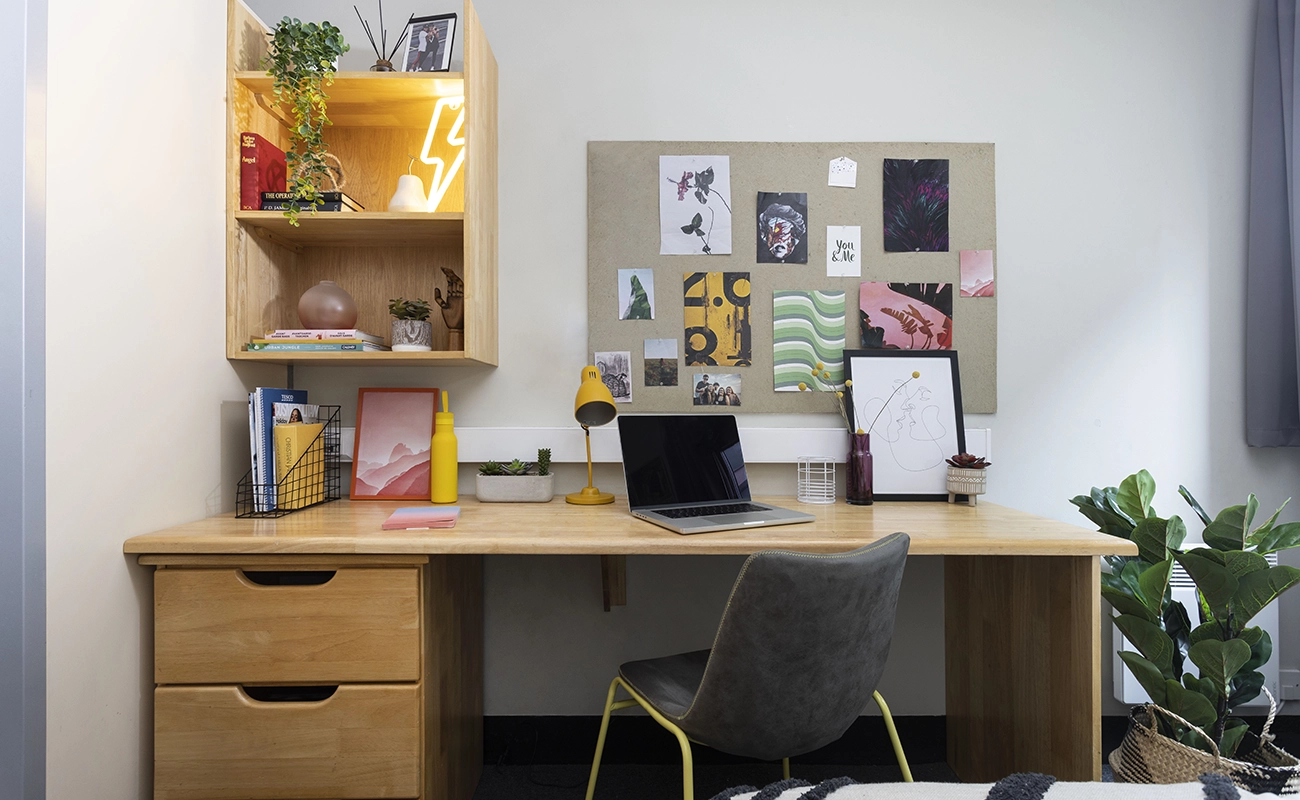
x=966 y=476
x=516 y=482
x=412 y=331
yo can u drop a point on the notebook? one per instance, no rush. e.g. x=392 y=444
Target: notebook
x=687 y=473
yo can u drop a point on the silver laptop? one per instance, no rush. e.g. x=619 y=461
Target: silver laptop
x=687 y=474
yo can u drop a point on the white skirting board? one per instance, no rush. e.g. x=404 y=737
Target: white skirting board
x=761 y=445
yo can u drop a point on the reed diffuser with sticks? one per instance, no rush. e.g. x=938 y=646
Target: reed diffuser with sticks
x=383 y=55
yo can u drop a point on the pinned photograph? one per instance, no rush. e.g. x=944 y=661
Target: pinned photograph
x=844 y=251
x=616 y=372
x=715 y=389
x=916 y=205
x=977 y=273
x=717 y=318
x=807 y=329
x=636 y=294
x=782 y=228
x=660 y=362
x=905 y=316
x=694 y=205
x=428 y=46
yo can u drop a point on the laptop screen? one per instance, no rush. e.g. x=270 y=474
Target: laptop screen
x=678 y=459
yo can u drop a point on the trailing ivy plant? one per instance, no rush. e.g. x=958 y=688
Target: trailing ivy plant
x=1234 y=582
x=301 y=62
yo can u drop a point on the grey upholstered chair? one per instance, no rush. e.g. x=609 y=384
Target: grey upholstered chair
x=799 y=651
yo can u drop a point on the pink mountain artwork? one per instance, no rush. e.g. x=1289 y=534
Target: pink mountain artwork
x=977 y=273
x=392 y=458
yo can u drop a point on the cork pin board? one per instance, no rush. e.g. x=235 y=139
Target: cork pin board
x=623 y=233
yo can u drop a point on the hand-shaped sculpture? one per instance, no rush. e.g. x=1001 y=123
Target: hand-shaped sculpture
x=453 y=309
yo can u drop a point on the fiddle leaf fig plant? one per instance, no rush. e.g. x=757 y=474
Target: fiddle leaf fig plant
x=1234 y=582
x=301 y=64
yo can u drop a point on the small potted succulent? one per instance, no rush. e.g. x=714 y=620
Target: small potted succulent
x=412 y=331
x=966 y=476
x=516 y=482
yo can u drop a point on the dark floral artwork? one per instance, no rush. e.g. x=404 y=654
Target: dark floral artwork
x=916 y=205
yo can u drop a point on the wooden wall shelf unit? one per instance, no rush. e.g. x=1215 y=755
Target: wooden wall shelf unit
x=378 y=121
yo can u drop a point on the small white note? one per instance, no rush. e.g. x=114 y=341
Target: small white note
x=843 y=250
x=844 y=172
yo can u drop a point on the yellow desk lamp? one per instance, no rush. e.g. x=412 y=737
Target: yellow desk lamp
x=594 y=405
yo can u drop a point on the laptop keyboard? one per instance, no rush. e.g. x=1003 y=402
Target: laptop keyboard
x=708 y=511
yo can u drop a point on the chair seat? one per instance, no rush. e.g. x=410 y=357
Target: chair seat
x=669 y=683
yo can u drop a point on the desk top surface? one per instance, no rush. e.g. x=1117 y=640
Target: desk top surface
x=557 y=528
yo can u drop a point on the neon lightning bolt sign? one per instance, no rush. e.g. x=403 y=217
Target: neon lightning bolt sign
x=442 y=174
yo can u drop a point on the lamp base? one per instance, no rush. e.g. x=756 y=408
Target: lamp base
x=589 y=496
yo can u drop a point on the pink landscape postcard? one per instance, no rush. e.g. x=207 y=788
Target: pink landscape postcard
x=391 y=457
x=977 y=273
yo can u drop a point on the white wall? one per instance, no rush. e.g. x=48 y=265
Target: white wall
x=1121 y=132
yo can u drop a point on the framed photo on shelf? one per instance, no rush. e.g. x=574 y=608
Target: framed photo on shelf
x=428 y=43
x=390 y=457
x=909 y=401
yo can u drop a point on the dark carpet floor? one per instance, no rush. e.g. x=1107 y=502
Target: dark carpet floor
x=656 y=782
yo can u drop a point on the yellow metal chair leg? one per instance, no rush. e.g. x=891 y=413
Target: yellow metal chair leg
x=785 y=768
x=893 y=738
x=688 y=767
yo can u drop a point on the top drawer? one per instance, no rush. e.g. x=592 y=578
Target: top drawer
x=349 y=625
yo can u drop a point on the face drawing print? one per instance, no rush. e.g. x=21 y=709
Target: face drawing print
x=782 y=228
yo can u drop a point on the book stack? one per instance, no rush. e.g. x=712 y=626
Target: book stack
x=262 y=170
x=318 y=341
x=330 y=201
x=287 y=449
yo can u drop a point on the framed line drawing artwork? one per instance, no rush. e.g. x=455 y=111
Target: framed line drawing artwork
x=390 y=459
x=909 y=401
x=428 y=43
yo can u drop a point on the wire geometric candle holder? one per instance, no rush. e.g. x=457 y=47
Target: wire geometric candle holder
x=816 y=480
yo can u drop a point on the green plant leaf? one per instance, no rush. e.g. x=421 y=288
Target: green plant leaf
x=1135 y=494
x=1175 y=532
x=1252 y=636
x=1215 y=583
x=1268 y=524
x=1219 y=661
x=1150 y=537
x=1179 y=629
x=1126 y=603
x=1258 y=589
x=1191 y=706
x=1241 y=562
x=1204 y=686
x=1229 y=529
x=1109 y=498
x=1207 y=631
x=1153 y=643
x=1153 y=582
x=1147 y=674
x=1191 y=501
x=1261 y=648
x=1245 y=687
x=1232 y=733
x=1282 y=537
x=1107 y=521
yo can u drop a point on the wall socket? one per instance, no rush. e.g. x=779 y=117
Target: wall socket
x=1290 y=680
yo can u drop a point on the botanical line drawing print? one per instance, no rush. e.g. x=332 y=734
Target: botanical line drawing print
x=694 y=205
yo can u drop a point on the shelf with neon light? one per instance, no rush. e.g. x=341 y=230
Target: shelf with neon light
x=357 y=228
x=371 y=99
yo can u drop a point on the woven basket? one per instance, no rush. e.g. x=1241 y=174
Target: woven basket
x=1147 y=756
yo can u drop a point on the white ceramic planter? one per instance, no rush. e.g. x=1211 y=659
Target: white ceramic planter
x=514 y=488
x=970 y=482
x=412 y=336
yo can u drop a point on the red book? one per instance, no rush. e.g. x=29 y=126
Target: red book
x=262 y=168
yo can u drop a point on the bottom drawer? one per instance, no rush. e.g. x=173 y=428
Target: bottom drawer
x=214 y=742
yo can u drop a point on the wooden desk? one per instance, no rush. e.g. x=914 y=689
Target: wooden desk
x=1022 y=599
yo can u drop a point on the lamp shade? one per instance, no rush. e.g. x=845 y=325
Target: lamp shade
x=594 y=404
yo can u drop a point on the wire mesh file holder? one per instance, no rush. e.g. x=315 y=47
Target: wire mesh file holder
x=313 y=479
x=816 y=480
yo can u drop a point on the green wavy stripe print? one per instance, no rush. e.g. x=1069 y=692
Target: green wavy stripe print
x=807 y=328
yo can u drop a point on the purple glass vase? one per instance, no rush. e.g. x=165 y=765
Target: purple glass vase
x=857 y=483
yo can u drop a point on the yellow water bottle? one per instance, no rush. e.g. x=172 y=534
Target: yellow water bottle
x=443 y=462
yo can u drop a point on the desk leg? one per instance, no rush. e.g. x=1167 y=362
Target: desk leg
x=1023 y=666
x=453 y=679
x=613 y=580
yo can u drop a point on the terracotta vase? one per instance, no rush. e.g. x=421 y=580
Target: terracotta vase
x=327 y=305
x=857 y=483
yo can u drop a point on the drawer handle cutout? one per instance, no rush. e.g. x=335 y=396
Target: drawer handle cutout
x=287 y=577
x=290 y=694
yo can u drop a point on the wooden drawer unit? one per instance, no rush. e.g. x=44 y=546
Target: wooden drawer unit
x=297 y=626
x=215 y=742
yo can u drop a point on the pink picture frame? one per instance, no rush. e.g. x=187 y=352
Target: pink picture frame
x=390 y=456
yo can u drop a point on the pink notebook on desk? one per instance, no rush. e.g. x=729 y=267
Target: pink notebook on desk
x=422 y=517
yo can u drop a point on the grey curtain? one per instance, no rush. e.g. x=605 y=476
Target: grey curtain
x=1272 y=266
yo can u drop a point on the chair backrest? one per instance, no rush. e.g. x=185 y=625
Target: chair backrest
x=800 y=648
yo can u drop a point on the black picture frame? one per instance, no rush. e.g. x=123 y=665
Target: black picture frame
x=905 y=467
x=415 y=59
